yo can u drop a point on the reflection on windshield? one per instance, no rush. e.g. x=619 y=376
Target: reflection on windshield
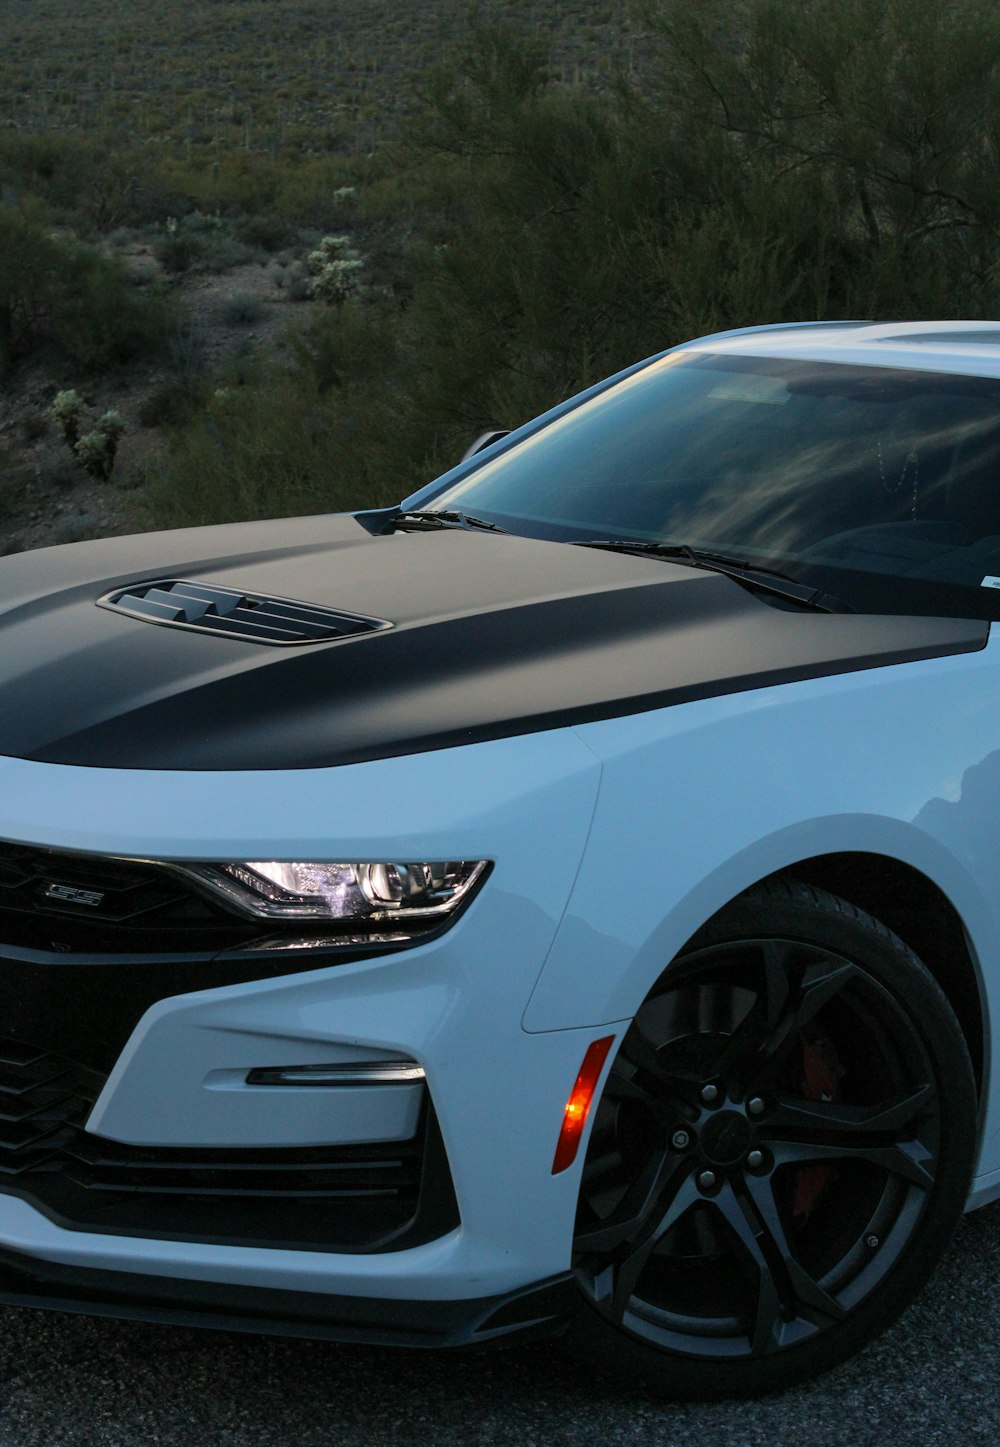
x=812 y=466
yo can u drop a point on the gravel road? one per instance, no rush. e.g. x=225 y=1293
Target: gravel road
x=88 y=1383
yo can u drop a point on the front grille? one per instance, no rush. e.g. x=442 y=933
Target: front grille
x=88 y=944
x=82 y=903
x=341 y=1198
x=208 y=608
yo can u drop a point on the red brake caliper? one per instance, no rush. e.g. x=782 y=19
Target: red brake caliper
x=821 y=1073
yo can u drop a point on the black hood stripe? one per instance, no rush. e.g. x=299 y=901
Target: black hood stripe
x=493 y=636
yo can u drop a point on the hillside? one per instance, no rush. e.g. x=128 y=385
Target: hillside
x=265 y=75
x=303 y=252
x=203 y=146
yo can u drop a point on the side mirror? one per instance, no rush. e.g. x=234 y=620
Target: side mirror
x=483 y=440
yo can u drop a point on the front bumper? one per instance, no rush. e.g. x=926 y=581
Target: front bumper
x=491 y=1109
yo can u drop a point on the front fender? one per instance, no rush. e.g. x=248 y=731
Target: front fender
x=700 y=801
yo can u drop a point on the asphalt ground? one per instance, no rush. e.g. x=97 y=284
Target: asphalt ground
x=93 y=1383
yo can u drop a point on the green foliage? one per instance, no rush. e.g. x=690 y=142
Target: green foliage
x=862 y=136
x=261 y=450
x=201 y=243
x=774 y=160
x=53 y=288
x=528 y=231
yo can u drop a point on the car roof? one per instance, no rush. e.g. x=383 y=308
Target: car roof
x=972 y=348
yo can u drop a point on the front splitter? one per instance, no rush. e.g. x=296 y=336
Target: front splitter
x=538 y=1310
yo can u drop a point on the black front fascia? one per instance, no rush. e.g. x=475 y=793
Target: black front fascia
x=88 y=943
x=367 y=1197
x=532 y=1311
x=87 y=1006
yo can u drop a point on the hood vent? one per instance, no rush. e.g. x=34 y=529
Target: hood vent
x=207 y=608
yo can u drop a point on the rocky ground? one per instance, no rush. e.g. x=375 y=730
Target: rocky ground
x=46 y=496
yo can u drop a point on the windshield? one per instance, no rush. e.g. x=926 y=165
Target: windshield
x=879 y=484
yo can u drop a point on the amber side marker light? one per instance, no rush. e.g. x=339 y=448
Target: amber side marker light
x=578 y=1105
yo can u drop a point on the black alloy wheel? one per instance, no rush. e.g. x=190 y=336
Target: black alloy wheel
x=780 y=1154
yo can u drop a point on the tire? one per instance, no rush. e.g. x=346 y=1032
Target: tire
x=781 y=1152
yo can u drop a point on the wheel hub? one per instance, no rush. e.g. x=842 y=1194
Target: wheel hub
x=726 y=1139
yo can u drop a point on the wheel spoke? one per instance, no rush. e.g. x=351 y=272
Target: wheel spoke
x=792 y=993
x=807 y=1292
x=658 y=1198
x=631 y=1087
x=652 y=1188
x=664 y=1081
x=825 y=1119
x=641 y=1246
x=748 y=1040
x=639 y=1051
x=817 y=989
x=908 y=1159
x=768 y=1314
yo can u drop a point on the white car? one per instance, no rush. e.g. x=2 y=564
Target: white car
x=565 y=903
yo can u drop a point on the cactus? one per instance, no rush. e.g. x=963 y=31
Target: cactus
x=335 y=268
x=66 y=409
x=96 y=451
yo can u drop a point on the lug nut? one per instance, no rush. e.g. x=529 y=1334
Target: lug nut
x=710 y=1094
x=706 y=1180
x=755 y=1160
x=755 y=1106
x=680 y=1140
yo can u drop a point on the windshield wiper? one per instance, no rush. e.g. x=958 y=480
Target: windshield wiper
x=754 y=575
x=446 y=518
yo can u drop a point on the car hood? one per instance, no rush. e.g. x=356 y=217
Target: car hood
x=490 y=635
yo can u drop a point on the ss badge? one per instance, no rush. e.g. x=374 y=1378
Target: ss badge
x=68 y=894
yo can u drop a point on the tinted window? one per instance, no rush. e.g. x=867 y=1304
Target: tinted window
x=881 y=484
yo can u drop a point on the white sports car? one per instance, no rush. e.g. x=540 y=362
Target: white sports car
x=567 y=902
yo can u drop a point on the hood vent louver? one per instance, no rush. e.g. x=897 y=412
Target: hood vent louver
x=207 y=608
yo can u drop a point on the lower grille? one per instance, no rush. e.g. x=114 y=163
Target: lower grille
x=343 y=1198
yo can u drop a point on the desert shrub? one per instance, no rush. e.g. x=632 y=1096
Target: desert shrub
x=256 y=451
x=168 y=404
x=54 y=288
x=268 y=232
x=337 y=432
x=74 y=529
x=53 y=167
x=241 y=309
x=186 y=353
x=202 y=243
x=105 y=319
x=31 y=283
x=34 y=425
x=296 y=282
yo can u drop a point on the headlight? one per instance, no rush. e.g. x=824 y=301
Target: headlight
x=355 y=893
